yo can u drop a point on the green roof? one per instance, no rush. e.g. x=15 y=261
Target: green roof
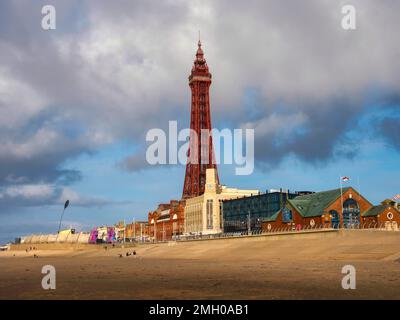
x=375 y=210
x=272 y=218
x=314 y=204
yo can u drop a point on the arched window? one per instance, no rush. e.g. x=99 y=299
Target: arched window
x=351 y=205
x=351 y=213
x=335 y=219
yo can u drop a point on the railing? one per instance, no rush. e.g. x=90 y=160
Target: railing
x=351 y=210
x=252 y=233
x=83 y=238
x=291 y=229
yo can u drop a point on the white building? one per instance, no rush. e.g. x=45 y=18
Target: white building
x=203 y=213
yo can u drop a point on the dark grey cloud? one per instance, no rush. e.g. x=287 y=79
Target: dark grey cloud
x=390 y=129
x=314 y=135
x=135 y=162
x=113 y=70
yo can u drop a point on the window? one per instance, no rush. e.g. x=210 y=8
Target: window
x=209 y=214
x=286 y=215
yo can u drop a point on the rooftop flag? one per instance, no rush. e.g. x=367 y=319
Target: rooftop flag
x=344 y=179
x=396 y=197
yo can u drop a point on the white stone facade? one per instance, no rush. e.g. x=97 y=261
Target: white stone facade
x=203 y=213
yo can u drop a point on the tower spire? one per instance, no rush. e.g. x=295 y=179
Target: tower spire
x=199 y=43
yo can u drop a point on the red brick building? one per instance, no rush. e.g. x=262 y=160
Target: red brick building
x=386 y=215
x=137 y=231
x=333 y=208
x=167 y=221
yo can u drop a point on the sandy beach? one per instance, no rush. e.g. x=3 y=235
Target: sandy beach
x=301 y=266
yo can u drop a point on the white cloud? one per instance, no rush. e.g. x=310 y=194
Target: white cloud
x=29 y=191
x=285 y=124
x=50 y=194
x=18 y=101
x=79 y=200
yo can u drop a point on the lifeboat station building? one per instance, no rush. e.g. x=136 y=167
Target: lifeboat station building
x=336 y=208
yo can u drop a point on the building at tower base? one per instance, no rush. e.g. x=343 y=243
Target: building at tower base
x=203 y=213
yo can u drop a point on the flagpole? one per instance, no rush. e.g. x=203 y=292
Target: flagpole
x=341 y=194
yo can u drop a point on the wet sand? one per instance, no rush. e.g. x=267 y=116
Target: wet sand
x=280 y=267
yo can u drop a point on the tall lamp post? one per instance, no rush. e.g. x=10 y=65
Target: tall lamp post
x=248 y=224
x=66 y=204
x=134 y=230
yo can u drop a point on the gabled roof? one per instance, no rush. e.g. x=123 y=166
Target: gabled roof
x=273 y=217
x=375 y=210
x=314 y=204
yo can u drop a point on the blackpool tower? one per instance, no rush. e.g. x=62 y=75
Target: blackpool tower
x=201 y=152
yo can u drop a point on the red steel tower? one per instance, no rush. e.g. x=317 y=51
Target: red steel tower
x=201 y=152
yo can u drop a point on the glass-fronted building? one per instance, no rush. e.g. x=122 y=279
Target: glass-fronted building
x=242 y=214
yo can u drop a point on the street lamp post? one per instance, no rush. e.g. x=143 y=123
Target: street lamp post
x=248 y=224
x=134 y=230
x=66 y=204
x=155 y=232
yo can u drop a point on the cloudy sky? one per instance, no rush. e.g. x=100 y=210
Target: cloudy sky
x=76 y=102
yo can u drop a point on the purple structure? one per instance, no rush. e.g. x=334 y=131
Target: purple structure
x=93 y=236
x=110 y=235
